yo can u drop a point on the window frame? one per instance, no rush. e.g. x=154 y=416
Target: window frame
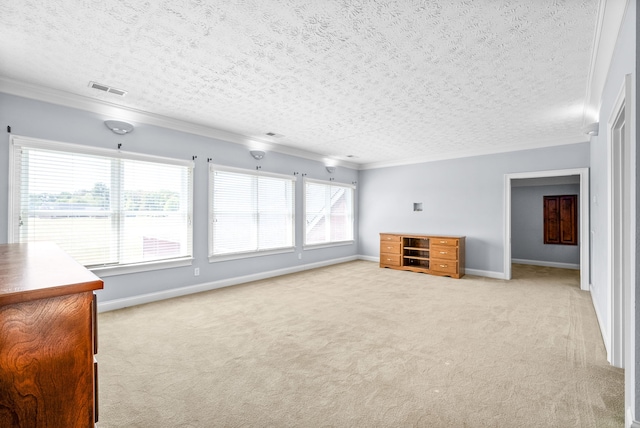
x=17 y=142
x=350 y=187
x=211 y=214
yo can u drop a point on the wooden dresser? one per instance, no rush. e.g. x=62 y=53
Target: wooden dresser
x=432 y=254
x=48 y=373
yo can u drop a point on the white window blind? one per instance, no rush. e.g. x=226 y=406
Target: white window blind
x=104 y=207
x=329 y=212
x=250 y=212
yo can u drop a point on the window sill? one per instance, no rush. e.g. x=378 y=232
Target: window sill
x=237 y=256
x=104 y=271
x=327 y=245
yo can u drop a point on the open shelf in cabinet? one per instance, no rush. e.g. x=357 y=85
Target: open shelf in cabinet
x=415 y=252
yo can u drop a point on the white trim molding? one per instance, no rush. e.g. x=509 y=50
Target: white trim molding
x=603 y=331
x=111 y=305
x=547 y=264
x=609 y=22
x=467 y=271
x=484 y=273
x=111 y=110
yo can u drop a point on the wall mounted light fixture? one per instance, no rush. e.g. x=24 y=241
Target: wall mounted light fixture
x=591 y=129
x=257 y=154
x=118 y=127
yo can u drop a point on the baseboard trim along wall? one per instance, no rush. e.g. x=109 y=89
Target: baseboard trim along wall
x=111 y=305
x=485 y=273
x=605 y=334
x=476 y=272
x=546 y=264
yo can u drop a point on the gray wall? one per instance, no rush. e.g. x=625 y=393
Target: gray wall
x=527 y=241
x=460 y=196
x=47 y=121
x=623 y=62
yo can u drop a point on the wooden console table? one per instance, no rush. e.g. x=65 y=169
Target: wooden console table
x=48 y=337
x=432 y=254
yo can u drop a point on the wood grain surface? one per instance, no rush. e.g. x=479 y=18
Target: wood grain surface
x=46 y=338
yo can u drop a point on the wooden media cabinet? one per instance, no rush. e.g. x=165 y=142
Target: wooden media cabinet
x=432 y=254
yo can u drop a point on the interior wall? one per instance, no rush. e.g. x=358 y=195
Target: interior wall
x=47 y=121
x=462 y=196
x=623 y=63
x=527 y=242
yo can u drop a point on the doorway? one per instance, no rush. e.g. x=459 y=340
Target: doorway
x=584 y=236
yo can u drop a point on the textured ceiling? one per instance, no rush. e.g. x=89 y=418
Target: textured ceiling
x=384 y=81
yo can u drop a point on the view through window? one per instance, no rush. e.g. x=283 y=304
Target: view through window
x=103 y=207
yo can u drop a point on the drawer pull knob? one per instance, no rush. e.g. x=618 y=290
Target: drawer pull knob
x=443 y=242
x=388 y=248
x=443 y=265
x=443 y=252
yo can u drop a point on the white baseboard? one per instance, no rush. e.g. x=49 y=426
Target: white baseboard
x=546 y=264
x=485 y=273
x=111 y=305
x=603 y=332
x=476 y=272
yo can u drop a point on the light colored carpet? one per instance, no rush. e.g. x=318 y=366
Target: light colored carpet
x=353 y=345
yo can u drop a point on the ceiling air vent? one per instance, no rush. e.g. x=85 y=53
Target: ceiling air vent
x=105 y=88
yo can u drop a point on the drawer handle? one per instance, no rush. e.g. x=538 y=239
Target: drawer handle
x=443 y=252
x=388 y=248
x=443 y=265
x=388 y=260
x=443 y=242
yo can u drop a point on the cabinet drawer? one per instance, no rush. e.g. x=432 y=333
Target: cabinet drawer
x=446 y=266
x=453 y=242
x=389 y=238
x=389 y=247
x=444 y=252
x=390 y=259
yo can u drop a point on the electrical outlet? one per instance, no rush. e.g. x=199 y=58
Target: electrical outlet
x=299 y=256
x=196 y=272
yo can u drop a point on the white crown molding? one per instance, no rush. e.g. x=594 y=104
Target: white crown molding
x=610 y=17
x=114 y=111
x=540 y=144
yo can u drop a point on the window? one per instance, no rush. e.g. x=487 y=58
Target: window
x=251 y=213
x=561 y=220
x=329 y=212
x=105 y=208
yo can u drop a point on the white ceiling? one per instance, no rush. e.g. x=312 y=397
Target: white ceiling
x=384 y=81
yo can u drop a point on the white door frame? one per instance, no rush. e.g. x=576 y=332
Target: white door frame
x=619 y=219
x=583 y=221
